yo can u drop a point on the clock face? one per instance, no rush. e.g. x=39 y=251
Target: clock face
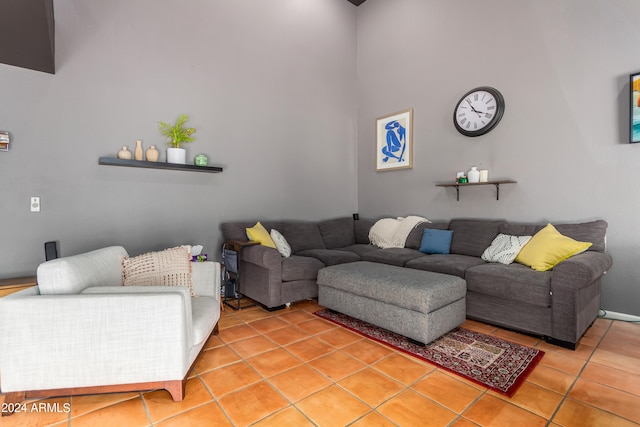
x=478 y=111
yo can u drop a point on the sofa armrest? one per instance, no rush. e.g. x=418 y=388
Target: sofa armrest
x=206 y=279
x=581 y=270
x=60 y=341
x=262 y=256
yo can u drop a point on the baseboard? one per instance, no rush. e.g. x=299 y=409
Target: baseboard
x=612 y=315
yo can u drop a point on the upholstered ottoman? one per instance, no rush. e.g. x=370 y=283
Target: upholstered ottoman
x=418 y=304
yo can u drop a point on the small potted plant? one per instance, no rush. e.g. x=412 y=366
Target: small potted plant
x=177 y=134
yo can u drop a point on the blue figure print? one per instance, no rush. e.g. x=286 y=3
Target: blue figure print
x=396 y=141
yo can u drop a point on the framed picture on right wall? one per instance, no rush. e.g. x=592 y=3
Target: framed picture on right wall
x=634 y=114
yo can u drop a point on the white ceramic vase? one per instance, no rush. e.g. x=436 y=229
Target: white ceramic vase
x=473 y=174
x=177 y=155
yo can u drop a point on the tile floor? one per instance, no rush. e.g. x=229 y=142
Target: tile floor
x=290 y=368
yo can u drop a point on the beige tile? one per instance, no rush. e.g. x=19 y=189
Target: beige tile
x=237 y=333
x=612 y=377
x=337 y=365
x=297 y=316
x=91 y=402
x=309 y=349
x=410 y=409
x=562 y=362
x=463 y=422
x=534 y=398
x=332 y=407
x=253 y=313
x=287 y=335
x=130 y=413
x=367 y=351
x=448 y=391
x=300 y=382
x=230 y=378
x=371 y=386
x=273 y=362
x=212 y=359
x=551 y=378
x=402 y=368
x=573 y=413
x=373 y=419
x=206 y=415
x=252 y=346
x=252 y=403
x=490 y=411
x=288 y=417
x=268 y=324
x=161 y=406
x=340 y=337
x=607 y=399
x=316 y=326
x=616 y=361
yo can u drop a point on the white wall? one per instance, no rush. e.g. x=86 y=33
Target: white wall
x=563 y=68
x=270 y=87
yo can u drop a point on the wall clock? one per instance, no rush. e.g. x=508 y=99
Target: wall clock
x=478 y=111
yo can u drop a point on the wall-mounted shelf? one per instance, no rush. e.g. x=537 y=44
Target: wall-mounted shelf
x=112 y=161
x=474 y=184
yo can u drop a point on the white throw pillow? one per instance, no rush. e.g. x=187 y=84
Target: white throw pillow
x=281 y=243
x=505 y=248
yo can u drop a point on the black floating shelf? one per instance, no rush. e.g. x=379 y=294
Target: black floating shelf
x=111 y=161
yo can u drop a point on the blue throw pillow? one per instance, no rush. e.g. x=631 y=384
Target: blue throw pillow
x=436 y=241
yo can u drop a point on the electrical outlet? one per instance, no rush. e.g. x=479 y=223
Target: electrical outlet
x=35 y=204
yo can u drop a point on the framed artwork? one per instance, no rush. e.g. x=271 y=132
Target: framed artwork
x=394 y=141
x=634 y=112
x=4 y=141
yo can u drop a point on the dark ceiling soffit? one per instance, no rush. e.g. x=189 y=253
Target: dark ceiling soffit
x=356 y=2
x=28 y=34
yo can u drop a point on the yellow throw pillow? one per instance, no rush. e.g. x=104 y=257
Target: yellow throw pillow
x=548 y=247
x=259 y=234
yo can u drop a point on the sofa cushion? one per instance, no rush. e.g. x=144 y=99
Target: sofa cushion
x=73 y=274
x=361 y=228
x=593 y=231
x=300 y=268
x=456 y=265
x=259 y=234
x=393 y=256
x=415 y=237
x=436 y=241
x=548 y=247
x=505 y=248
x=281 y=243
x=359 y=248
x=337 y=233
x=513 y=282
x=170 y=267
x=473 y=236
x=330 y=256
x=302 y=235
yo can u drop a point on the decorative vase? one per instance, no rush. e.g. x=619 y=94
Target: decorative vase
x=124 y=154
x=152 y=154
x=137 y=153
x=200 y=160
x=473 y=174
x=176 y=155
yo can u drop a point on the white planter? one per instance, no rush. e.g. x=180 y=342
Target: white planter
x=177 y=155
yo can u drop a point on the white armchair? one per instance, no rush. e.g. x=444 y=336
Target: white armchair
x=81 y=332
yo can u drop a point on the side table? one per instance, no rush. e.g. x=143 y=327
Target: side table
x=233 y=299
x=9 y=286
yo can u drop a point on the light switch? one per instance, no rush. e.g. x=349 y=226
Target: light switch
x=35 y=204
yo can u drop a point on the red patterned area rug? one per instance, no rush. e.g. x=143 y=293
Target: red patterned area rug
x=489 y=361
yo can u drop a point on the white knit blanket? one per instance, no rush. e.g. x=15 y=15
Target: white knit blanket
x=392 y=232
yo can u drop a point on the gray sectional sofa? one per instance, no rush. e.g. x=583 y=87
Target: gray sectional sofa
x=558 y=305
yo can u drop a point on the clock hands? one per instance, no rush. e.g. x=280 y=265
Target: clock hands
x=479 y=113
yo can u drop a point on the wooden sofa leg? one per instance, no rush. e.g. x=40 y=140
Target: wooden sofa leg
x=216 y=331
x=176 y=389
x=11 y=402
